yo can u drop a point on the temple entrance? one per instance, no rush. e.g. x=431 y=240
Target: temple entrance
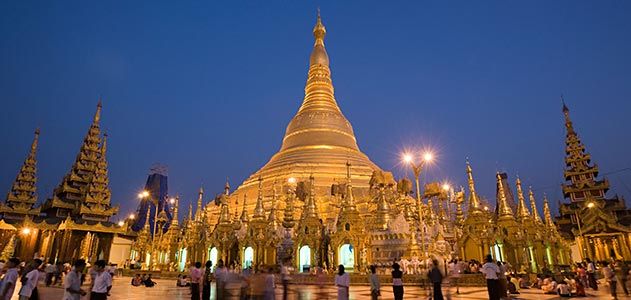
x=346 y=257
x=248 y=257
x=213 y=254
x=304 y=259
x=182 y=259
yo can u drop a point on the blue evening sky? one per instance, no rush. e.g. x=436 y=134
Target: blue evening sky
x=207 y=87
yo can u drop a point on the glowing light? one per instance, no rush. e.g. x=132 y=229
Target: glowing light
x=446 y=187
x=143 y=194
x=486 y=208
x=172 y=200
x=428 y=156
x=291 y=180
x=121 y=223
x=26 y=231
x=591 y=204
x=132 y=216
x=407 y=158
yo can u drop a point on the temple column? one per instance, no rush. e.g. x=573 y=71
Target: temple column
x=624 y=244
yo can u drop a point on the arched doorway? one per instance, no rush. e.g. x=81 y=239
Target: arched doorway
x=213 y=255
x=182 y=259
x=248 y=257
x=304 y=259
x=346 y=256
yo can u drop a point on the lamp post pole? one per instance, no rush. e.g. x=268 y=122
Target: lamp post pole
x=417 y=169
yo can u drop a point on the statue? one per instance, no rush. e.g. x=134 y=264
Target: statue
x=302 y=190
x=404 y=186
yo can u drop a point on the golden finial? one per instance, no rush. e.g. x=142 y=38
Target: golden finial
x=522 y=210
x=474 y=203
x=319 y=31
x=504 y=209
x=97 y=114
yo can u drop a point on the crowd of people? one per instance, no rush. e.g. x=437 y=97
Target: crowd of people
x=70 y=277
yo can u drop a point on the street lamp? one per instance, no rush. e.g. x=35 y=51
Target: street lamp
x=409 y=160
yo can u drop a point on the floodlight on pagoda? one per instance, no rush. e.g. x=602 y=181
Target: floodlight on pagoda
x=26 y=231
x=132 y=216
x=121 y=223
x=590 y=205
x=143 y=194
x=172 y=200
x=291 y=180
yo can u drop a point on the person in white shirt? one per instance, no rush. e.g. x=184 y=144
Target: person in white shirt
x=490 y=270
x=72 y=282
x=343 y=282
x=29 y=280
x=102 y=282
x=10 y=279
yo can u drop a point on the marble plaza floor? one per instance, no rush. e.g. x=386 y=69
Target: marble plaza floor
x=166 y=289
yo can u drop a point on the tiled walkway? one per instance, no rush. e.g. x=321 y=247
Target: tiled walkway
x=166 y=289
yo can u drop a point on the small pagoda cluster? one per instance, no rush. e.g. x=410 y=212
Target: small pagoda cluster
x=75 y=221
x=598 y=226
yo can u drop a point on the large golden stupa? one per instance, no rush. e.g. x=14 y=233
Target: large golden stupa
x=319 y=140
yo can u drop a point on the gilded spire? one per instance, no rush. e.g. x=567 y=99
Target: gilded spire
x=522 y=210
x=504 y=209
x=190 y=212
x=349 y=201
x=200 y=197
x=288 y=215
x=176 y=206
x=244 y=211
x=23 y=194
x=474 y=202
x=533 y=207
x=226 y=188
x=259 y=210
x=310 y=210
x=546 y=212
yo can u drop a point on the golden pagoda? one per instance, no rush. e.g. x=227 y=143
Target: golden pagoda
x=21 y=199
x=318 y=142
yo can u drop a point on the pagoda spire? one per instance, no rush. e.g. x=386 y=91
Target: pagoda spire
x=23 y=194
x=504 y=210
x=546 y=213
x=198 y=211
x=176 y=205
x=522 y=210
x=244 y=212
x=310 y=210
x=259 y=210
x=474 y=202
x=72 y=191
x=98 y=195
x=580 y=173
x=533 y=207
x=349 y=201
x=190 y=212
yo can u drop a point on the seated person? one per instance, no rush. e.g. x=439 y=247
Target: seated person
x=537 y=282
x=580 y=289
x=136 y=281
x=182 y=281
x=511 y=286
x=563 y=289
x=549 y=285
x=148 y=282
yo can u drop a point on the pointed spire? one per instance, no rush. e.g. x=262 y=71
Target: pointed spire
x=310 y=210
x=504 y=210
x=533 y=207
x=23 y=194
x=474 y=202
x=190 y=212
x=349 y=201
x=319 y=55
x=97 y=114
x=522 y=210
x=226 y=189
x=259 y=210
x=148 y=218
x=244 y=212
x=176 y=206
x=546 y=212
x=200 y=197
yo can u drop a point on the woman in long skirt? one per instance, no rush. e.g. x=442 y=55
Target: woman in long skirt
x=343 y=282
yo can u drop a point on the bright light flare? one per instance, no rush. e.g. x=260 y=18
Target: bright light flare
x=143 y=194
x=172 y=200
x=446 y=187
x=132 y=216
x=590 y=205
x=407 y=158
x=26 y=231
x=291 y=180
x=428 y=157
x=121 y=223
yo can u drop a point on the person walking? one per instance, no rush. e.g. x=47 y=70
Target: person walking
x=102 y=282
x=591 y=274
x=375 y=286
x=490 y=270
x=220 y=277
x=610 y=276
x=10 y=279
x=284 y=276
x=343 y=282
x=30 y=277
x=207 y=279
x=622 y=270
x=397 y=281
x=72 y=282
x=436 y=277
x=270 y=286
x=196 y=279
